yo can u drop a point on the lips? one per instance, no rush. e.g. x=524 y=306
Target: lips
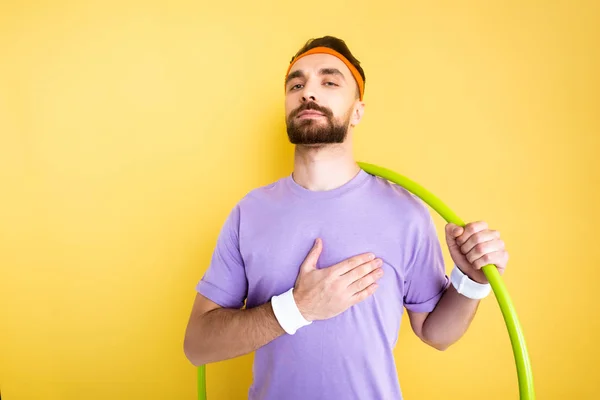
x=310 y=113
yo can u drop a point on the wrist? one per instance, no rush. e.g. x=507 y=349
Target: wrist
x=481 y=281
x=467 y=286
x=475 y=275
x=287 y=312
x=299 y=303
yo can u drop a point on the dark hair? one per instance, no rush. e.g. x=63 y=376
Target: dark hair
x=335 y=44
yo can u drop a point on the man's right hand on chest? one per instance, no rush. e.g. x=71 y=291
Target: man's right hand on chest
x=324 y=293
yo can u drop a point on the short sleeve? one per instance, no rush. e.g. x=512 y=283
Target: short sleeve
x=426 y=274
x=225 y=281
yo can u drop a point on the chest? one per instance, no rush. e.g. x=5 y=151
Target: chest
x=274 y=246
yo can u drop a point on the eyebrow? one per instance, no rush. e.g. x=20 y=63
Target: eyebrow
x=332 y=71
x=323 y=71
x=293 y=75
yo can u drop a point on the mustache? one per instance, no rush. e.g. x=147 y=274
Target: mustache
x=312 y=106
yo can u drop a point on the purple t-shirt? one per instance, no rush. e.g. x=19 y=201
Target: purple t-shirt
x=258 y=255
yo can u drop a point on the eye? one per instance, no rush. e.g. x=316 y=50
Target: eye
x=296 y=86
x=331 y=83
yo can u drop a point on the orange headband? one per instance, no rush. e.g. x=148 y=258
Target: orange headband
x=327 y=50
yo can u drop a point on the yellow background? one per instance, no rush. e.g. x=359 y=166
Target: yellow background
x=129 y=130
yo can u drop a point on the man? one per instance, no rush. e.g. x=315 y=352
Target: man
x=328 y=257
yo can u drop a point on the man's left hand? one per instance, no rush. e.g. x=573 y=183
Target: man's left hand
x=474 y=247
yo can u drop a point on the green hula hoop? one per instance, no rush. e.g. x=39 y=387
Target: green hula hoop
x=509 y=313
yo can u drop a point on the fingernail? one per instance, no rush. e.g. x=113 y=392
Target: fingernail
x=379 y=262
x=371 y=256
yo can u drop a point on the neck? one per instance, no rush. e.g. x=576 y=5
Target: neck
x=326 y=167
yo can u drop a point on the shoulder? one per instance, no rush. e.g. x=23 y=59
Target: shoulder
x=262 y=197
x=392 y=196
x=270 y=191
x=257 y=201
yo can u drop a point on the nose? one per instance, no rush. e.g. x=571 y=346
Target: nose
x=309 y=92
x=308 y=97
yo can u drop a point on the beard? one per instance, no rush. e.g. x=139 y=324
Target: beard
x=322 y=130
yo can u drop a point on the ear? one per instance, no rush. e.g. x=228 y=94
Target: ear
x=357 y=112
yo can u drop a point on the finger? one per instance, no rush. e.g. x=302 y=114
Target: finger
x=363 y=294
x=310 y=262
x=453 y=230
x=366 y=281
x=362 y=270
x=352 y=262
x=497 y=258
x=469 y=230
x=483 y=249
x=479 y=237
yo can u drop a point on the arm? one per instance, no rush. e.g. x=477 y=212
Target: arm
x=218 y=327
x=448 y=322
x=471 y=248
x=215 y=333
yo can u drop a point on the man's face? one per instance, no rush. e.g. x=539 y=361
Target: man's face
x=321 y=97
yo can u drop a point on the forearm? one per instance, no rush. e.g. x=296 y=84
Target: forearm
x=223 y=333
x=450 y=319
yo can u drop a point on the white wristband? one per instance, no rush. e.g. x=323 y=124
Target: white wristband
x=467 y=287
x=287 y=313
